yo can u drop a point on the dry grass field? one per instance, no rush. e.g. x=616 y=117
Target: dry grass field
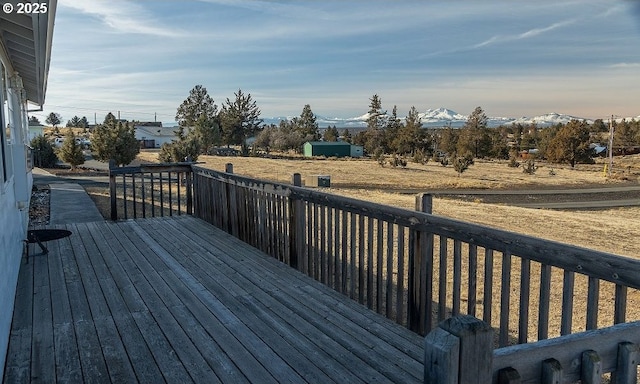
x=611 y=230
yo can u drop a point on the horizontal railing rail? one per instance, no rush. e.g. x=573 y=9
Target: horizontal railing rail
x=420 y=269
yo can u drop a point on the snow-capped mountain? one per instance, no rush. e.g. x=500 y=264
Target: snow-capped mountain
x=442 y=117
x=549 y=119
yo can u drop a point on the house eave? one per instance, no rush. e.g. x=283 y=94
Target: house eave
x=26 y=40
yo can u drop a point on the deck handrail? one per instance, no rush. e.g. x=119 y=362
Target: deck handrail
x=460 y=350
x=413 y=267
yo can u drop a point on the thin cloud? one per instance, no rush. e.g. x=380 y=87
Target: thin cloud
x=122 y=17
x=625 y=65
x=274 y=8
x=525 y=35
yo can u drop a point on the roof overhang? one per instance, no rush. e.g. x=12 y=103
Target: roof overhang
x=26 y=41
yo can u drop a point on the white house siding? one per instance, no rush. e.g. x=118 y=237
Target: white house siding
x=160 y=135
x=13 y=223
x=14 y=203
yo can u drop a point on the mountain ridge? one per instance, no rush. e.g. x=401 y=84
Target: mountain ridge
x=444 y=117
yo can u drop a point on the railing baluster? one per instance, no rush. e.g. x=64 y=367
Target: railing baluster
x=401 y=306
x=379 y=265
x=369 y=267
x=525 y=288
x=361 y=262
x=620 y=312
x=567 y=303
x=593 y=295
x=442 y=280
x=344 y=275
x=545 y=297
x=457 y=277
x=487 y=299
x=153 y=196
x=352 y=256
x=124 y=196
x=179 y=176
x=505 y=297
x=472 y=280
x=389 y=274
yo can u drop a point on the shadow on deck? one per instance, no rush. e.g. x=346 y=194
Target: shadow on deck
x=178 y=300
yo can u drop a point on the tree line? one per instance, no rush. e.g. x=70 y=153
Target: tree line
x=203 y=126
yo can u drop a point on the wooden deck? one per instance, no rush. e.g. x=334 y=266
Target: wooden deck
x=177 y=300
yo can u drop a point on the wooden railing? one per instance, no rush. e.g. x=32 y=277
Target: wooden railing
x=419 y=269
x=413 y=267
x=150 y=190
x=461 y=350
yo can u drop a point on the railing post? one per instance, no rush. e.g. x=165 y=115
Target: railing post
x=420 y=273
x=296 y=225
x=112 y=191
x=232 y=206
x=190 y=187
x=460 y=350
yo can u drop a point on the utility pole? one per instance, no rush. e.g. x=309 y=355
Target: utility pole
x=611 y=129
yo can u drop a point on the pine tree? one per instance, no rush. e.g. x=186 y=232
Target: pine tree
x=195 y=106
x=240 y=120
x=331 y=134
x=392 y=127
x=115 y=140
x=53 y=119
x=74 y=122
x=410 y=135
x=110 y=119
x=474 y=137
x=376 y=116
x=376 y=121
x=307 y=125
x=71 y=151
x=626 y=135
x=448 y=141
x=346 y=136
x=84 y=123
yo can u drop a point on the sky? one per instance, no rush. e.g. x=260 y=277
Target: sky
x=512 y=58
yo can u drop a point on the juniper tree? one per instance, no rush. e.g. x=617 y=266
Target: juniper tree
x=306 y=124
x=115 y=140
x=240 y=120
x=44 y=154
x=571 y=144
x=53 y=119
x=71 y=151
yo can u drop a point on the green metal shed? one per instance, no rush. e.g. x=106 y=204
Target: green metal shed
x=327 y=148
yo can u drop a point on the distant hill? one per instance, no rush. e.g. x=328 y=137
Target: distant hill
x=442 y=117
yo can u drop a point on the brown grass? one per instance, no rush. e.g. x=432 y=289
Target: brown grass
x=609 y=230
x=367 y=173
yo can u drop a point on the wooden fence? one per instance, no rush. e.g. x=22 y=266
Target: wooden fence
x=416 y=268
x=461 y=350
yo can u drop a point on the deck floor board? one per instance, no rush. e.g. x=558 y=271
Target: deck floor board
x=177 y=300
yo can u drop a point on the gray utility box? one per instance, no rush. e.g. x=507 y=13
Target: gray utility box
x=318 y=181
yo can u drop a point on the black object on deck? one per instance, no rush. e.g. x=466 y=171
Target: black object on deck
x=42 y=235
